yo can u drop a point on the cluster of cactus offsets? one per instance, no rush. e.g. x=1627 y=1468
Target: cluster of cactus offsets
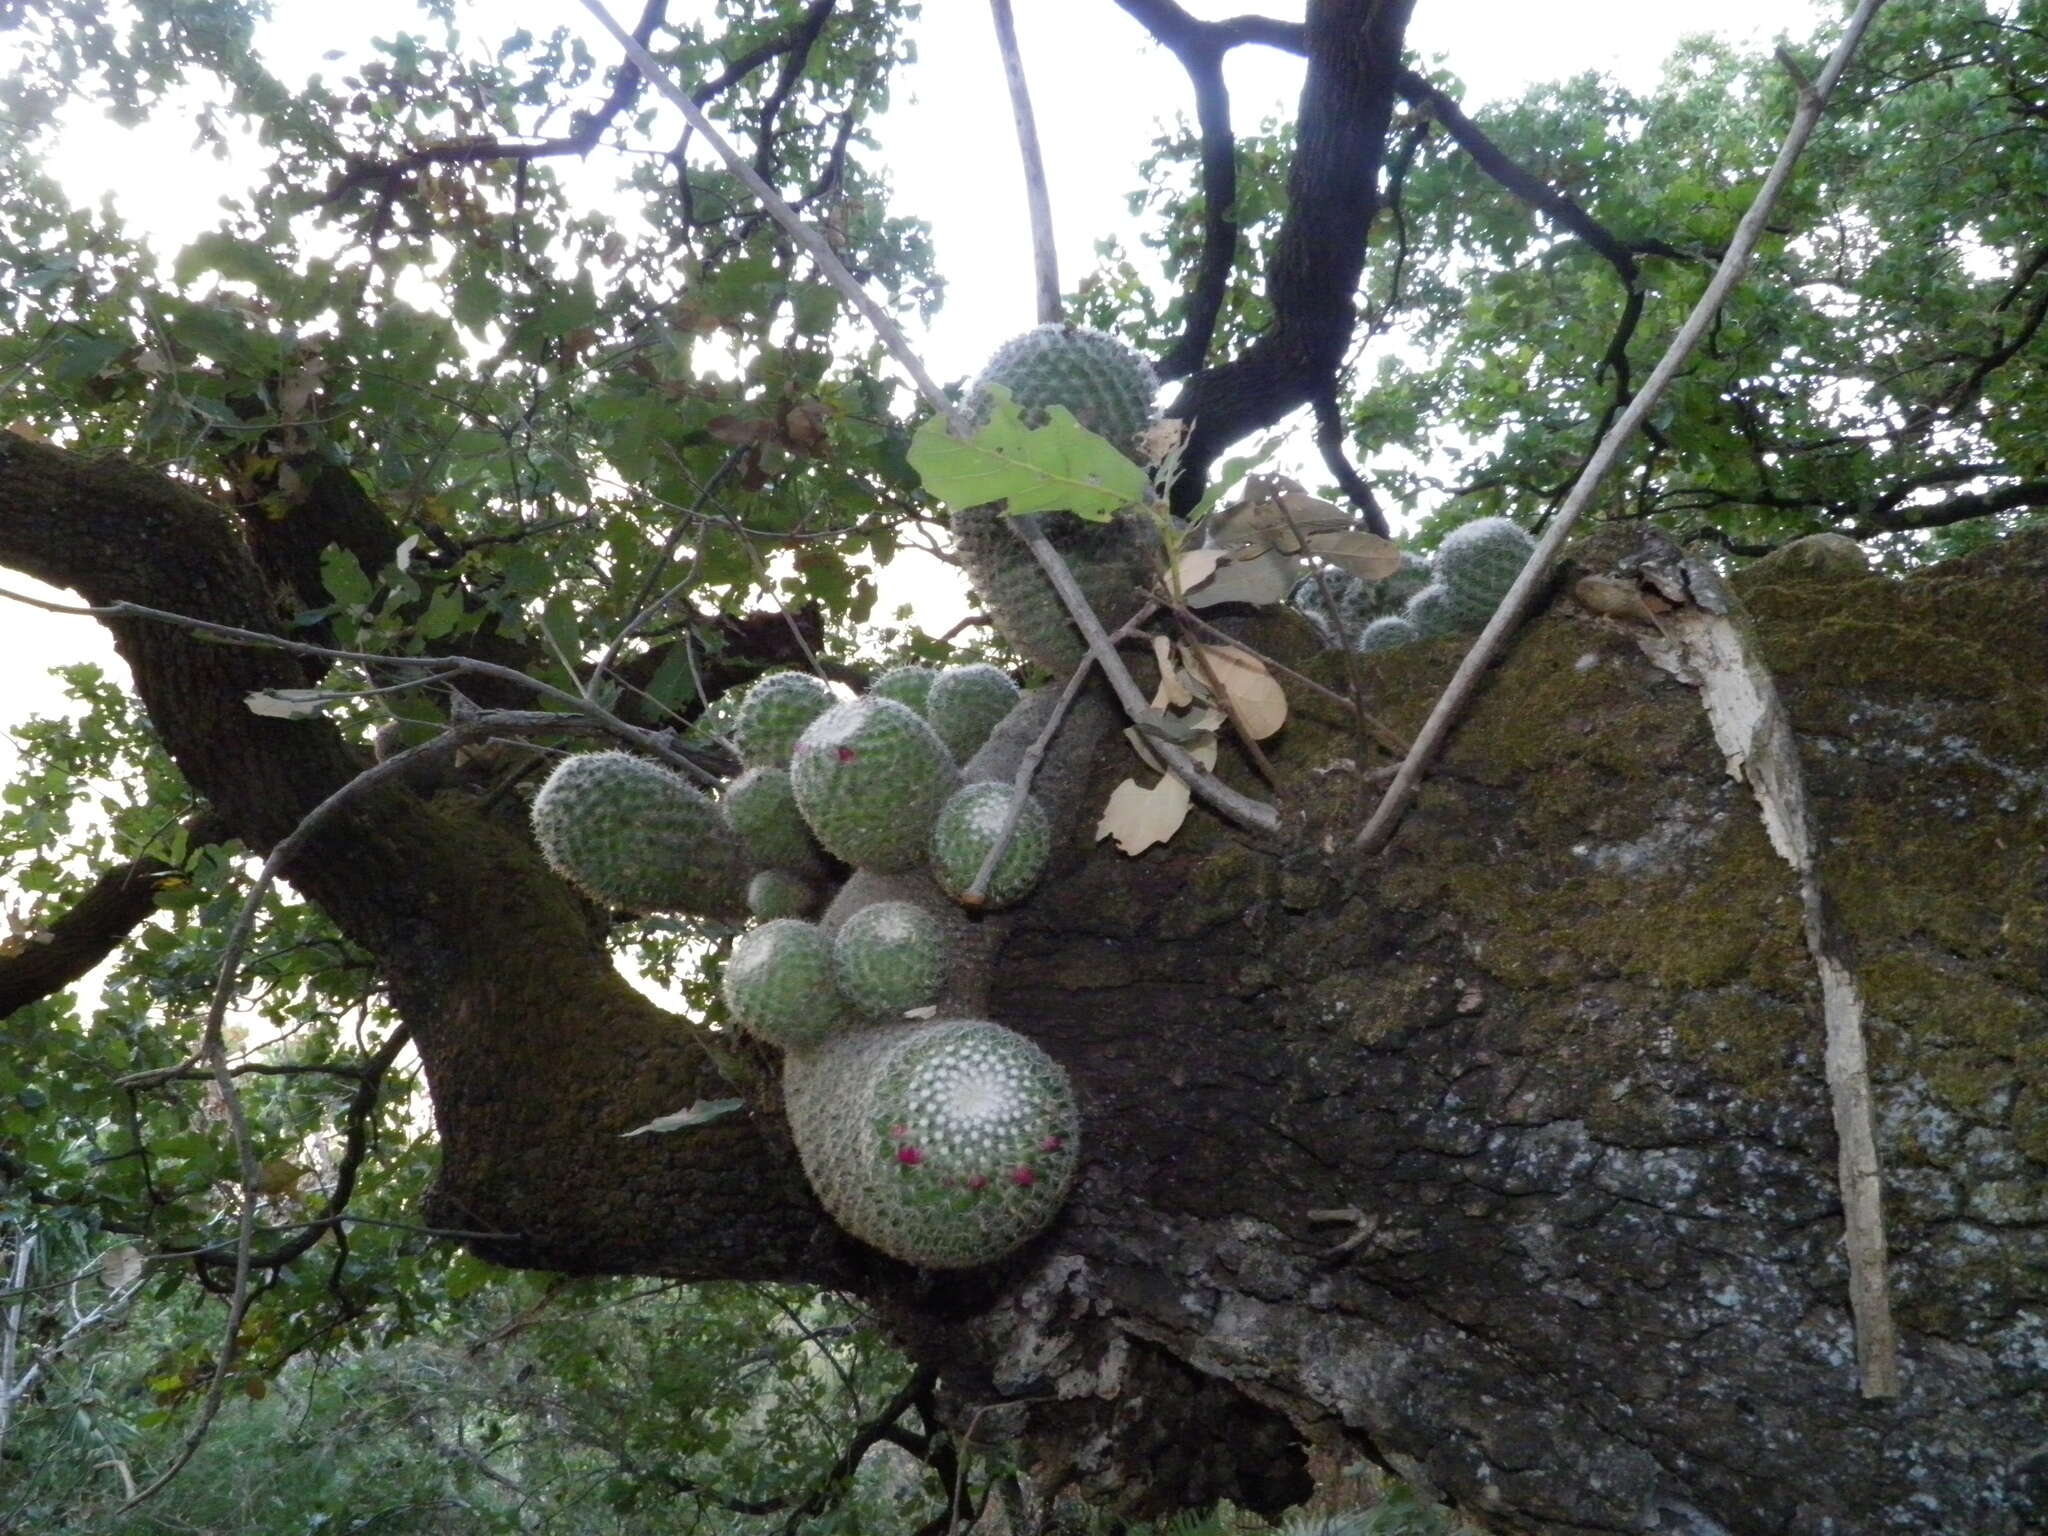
x=1483 y=557
x=1386 y=634
x=870 y=776
x=910 y=685
x=1431 y=612
x=1358 y=602
x=965 y=704
x=778 y=984
x=945 y=1144
x=761 y=806
x=1108 y=387
x=1475 y=566
x=778 y=893
x=967 y=829
x=632 y=834
x=774 y=713
x=890 y=957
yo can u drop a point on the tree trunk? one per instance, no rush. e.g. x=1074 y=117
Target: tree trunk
x=1561 y=1053
x=1559 y=1050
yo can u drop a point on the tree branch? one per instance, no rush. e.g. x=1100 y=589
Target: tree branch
x=1347 y=100
x=1379 y=829
x=389 y=175
x=56 y=954
x=1045 y=255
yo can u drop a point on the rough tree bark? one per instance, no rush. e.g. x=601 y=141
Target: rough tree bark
x=1559 y=1050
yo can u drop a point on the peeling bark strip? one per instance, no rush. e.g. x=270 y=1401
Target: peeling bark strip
x=1705 y=640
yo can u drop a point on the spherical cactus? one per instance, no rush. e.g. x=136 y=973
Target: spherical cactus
x=761 y=806
x=1433 y=612
x=968 y=827
x=1107 y=386
x=778 y=893
x=966 y=704
x=1385 y=635
x=1483 y=558
x=944 y=1144
x=906 y=685
x=774 y=713
x=870 y=777
x=1112 y=562
x=630 y=833
x=1358 y=601
x=778 y=984
x=890 y=957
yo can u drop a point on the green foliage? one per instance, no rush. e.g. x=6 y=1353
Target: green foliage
x=525 y=421
x=535 y=1403
x=1059 y=467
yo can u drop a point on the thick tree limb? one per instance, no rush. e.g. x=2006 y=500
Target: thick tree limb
x=1200 y=46
x=1347 y=100
x=487 y=955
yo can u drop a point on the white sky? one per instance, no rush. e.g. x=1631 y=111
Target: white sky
x=1101 y=92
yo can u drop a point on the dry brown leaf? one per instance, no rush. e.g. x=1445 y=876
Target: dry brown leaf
x=27 y=430
x=1162 y=440
x=1255 y=695
x=1363 y=554
x=1172 y=692
x=1195 y=567
x=1143 y=748
x=1613 y=598
x=1265 y=577
x=1277 y=513
x=1138 y=818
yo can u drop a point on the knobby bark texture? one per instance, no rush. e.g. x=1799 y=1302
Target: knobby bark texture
x=1555 y=1057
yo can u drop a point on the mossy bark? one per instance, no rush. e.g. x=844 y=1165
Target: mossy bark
x=1558 y=1052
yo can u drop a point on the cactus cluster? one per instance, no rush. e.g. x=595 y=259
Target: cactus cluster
x=1358 y=602
x=1474 y=567
x=870 y=775
x=943 y=1143
x=1109 y=389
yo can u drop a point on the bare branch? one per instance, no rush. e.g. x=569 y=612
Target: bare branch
x=1045 y=255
